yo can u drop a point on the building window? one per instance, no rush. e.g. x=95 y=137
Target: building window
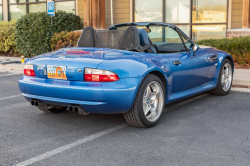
x=199 y=19
x=148 y=11
x=201 y=32
x=177 y=11
x=1 y=10
x=18 y=8
x=68 y=6
x=213 y=12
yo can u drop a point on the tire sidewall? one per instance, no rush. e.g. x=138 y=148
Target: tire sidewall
x=147 y=80
x=219 y=85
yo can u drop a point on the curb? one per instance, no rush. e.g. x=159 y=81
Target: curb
x=12 y=68
x=244 y=82
x=240 y=89
x=241 y=77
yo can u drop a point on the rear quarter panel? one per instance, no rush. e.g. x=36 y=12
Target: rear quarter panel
x=139 y=66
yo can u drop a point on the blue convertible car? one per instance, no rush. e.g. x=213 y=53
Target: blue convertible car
x=131 y=68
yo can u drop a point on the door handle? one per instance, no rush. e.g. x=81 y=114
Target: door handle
x=177 y=62
x=213 y=57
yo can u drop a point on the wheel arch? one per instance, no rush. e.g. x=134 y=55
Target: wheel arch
x=161 y=76
x=230 y=58
x=158 y=73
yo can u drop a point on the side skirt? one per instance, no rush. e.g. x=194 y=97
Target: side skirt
x=181 y=95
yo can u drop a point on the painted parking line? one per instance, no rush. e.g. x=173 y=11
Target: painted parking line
x=69 y=146
x=9 y=97
x=93 y=137
x=10 y=74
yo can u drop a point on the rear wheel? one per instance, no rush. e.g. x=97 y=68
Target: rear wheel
x=149 y=103
x=52 y=110
x=225 y=79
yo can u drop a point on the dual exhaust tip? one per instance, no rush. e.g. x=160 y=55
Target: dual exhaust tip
x=72 y=108
x=37 y=103
x=77 y=109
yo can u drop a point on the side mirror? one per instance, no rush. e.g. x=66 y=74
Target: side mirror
x=193 y=48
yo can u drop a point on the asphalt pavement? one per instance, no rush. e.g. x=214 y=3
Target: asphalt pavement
x=202 y=130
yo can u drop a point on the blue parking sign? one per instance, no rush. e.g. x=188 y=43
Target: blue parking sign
x=51 y=8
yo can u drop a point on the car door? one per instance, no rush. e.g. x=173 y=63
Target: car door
x=189 y=71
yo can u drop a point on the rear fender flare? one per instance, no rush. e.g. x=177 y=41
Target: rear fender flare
x=168 y=81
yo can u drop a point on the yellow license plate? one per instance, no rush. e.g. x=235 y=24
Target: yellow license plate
x=57 y=72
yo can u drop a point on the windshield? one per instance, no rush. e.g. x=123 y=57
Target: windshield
x=157 y=34
x=165 y=38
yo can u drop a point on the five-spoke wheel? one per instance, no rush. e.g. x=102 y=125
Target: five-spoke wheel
x=149 y=103
x=153 y=101
x=225 y=79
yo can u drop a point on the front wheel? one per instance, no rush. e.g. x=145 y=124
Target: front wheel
x=225 y=79
x=149 y=103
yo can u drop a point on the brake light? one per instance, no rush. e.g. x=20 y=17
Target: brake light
x=29 y=70
x=96 y=75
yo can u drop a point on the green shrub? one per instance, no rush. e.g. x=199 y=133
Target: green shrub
x=7 y=37
x=239 y=48
x=64 y=39
x=34 y=30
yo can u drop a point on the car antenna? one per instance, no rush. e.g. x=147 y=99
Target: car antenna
x=40 y=34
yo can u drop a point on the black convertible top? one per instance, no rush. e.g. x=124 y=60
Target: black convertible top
x=143 y=24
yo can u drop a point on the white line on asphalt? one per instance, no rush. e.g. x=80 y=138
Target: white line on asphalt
x=10 y=74
x=69 y=146
x=92 y=137
x=4 y=98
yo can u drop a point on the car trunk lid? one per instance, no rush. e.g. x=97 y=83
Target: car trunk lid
x=67 y=65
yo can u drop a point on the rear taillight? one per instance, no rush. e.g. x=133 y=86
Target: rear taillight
x=96 y=75
x=29 y=70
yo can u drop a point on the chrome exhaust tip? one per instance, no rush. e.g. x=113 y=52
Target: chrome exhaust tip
x=71 y=108
x=76 y=109
x=80 y=110
x=36 y=103
x=32 y=102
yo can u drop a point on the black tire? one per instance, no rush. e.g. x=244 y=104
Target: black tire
x=219 y=89
x=135 y=116
x=52 y=110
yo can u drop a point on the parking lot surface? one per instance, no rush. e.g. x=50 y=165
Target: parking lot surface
x=202 y=130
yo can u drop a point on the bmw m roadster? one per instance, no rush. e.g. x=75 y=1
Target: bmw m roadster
x=130 y=68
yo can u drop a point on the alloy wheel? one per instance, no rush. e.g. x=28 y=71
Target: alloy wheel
x=226 y=77
x=153 y=101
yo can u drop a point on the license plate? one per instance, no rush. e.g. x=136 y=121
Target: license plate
x=57 y=72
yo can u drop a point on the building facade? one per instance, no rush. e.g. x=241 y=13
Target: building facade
x=200 y=19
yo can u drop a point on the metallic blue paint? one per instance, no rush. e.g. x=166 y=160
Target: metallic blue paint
x=94 y=97
x=195 y=74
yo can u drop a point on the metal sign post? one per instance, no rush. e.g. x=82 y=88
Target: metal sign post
x=51 y=12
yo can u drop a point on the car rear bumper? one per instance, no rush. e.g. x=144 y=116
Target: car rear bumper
x=104 y=97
